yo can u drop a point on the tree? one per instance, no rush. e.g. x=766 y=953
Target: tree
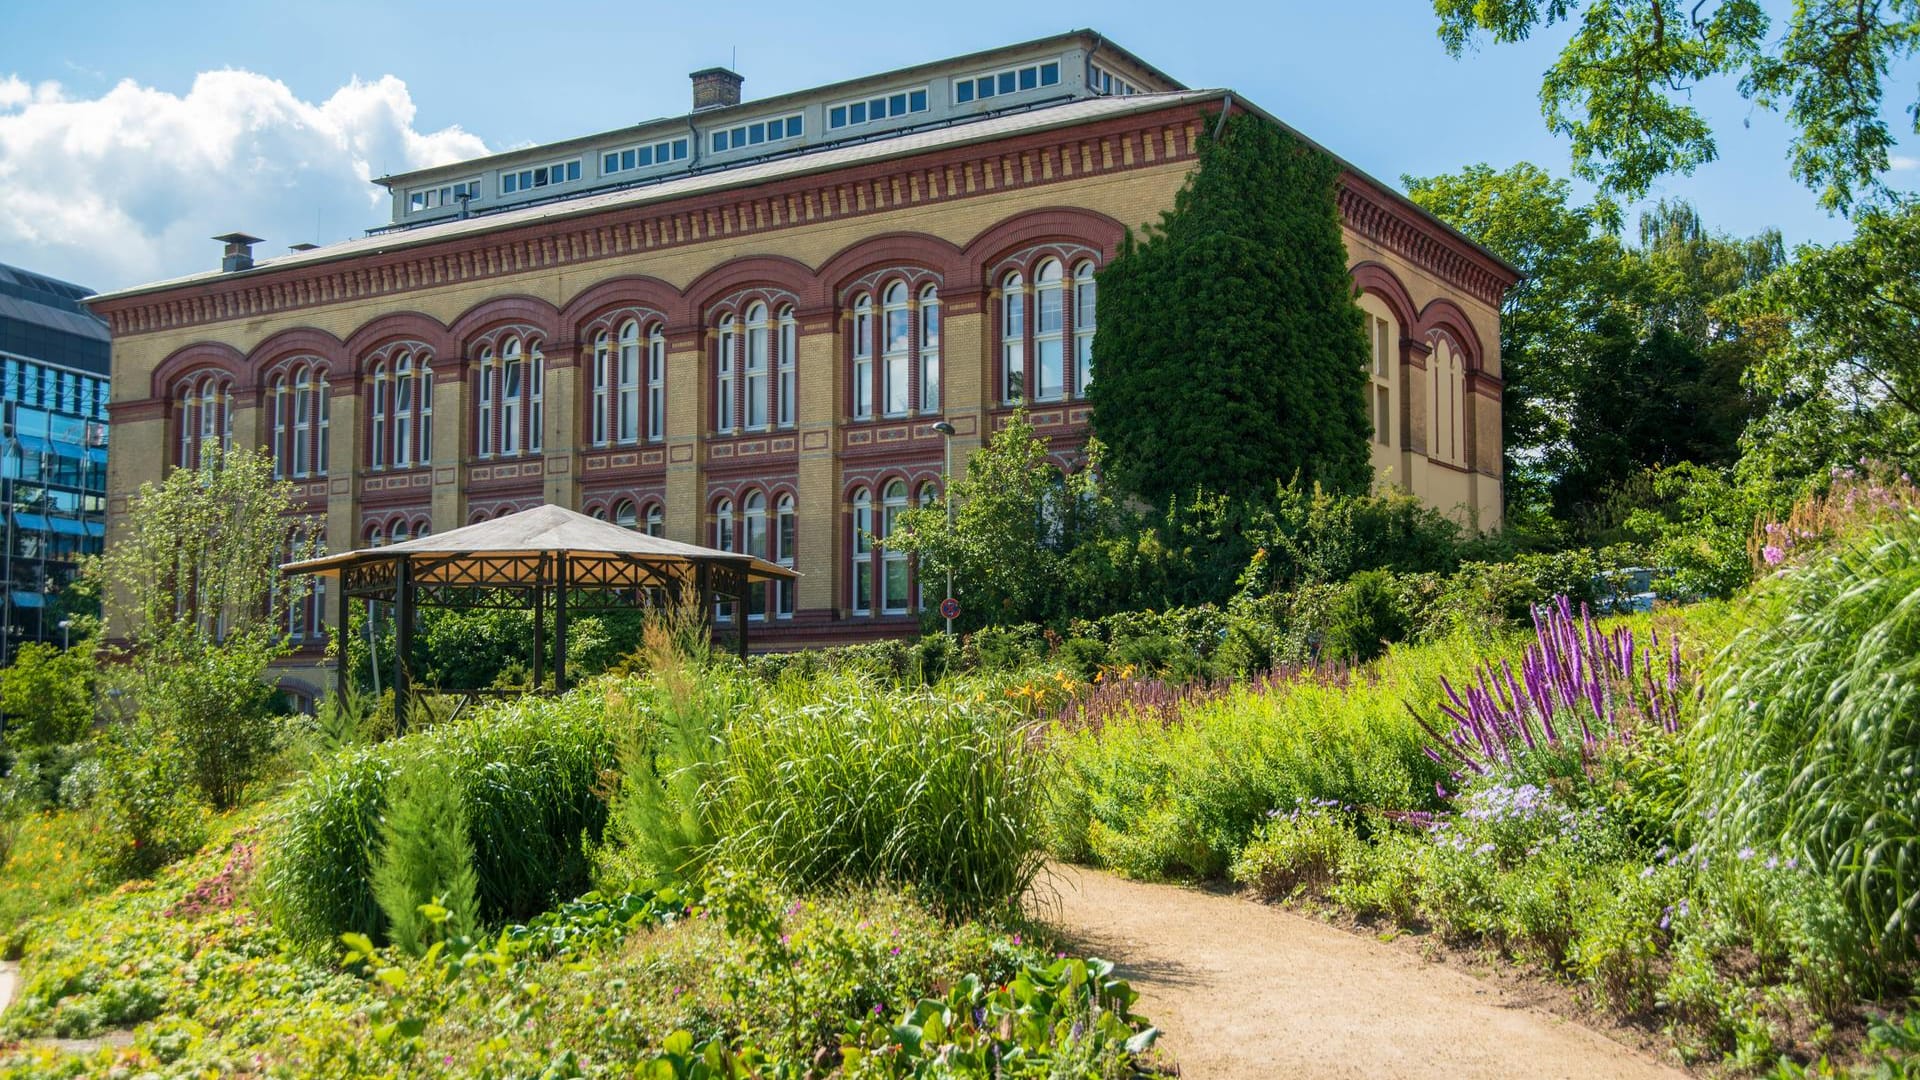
x=1839 y=341
x=1231 y=353
x=1620 y=86
x=197 y=595
x=1016 y=518
x=46 y=696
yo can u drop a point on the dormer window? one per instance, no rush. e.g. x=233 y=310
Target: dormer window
x=1102 y=81
x=873 y=110
x=758 y=132
x=445 y=195
x=539 y=176
x=1010 y=81
x=643 y=157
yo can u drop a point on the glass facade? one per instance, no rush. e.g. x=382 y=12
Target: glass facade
x=54 y=358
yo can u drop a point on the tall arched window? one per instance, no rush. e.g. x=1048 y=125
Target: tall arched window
x=894 y=591
x=400 y=420
x=723 y=539
x=1383 y=333
x=484 y=440
x=280 y=406
x=1013 y=337
x=616 y=385
x=863 y=357
x=929 y=496
x=789 y=364
x=513 y=396
x=510 y=398
x=397 y=531
x=656 y=384
x=624 y=514
x=756 y=373
x=536 y=384
x=723 y=375
x=303 y=422
x=785 y=545
x=1085 y=322
x=656 y=520
x=862 y=581
x=753 y=533
x=206 y=418
x=930 y=349
x=1049 y=324
x=1446 y=406
x=602 y=388
x=896 y=348
x=403 y=411
x=376 y=536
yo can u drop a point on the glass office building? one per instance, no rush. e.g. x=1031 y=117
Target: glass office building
x=53 y=449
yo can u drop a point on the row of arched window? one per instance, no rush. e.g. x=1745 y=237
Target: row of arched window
x=1445 y=377
x=300 y=409
x=205 y=408
x=1040 y=330
x=772 y=535
x=881 y=578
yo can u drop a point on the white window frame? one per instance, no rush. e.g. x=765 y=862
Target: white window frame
x=786 y=532
x=969 y=88
x=726 y=140
x=863 y=357
x=532 y=177
x=723 y=418
x=1049 y=341
x=892 y=104
x=1013 y=337
x=663 y=152
x=896 y=349
x=656 y=384
x=1086 y=323
x=862 y=579
x=789 y=366
x=759 y=416
x=929 y=317
x=893 y=502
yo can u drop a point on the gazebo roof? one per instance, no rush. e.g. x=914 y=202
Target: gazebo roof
x=545 y=530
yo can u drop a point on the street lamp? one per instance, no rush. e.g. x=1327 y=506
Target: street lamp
x=946 y=496
x=66 y=627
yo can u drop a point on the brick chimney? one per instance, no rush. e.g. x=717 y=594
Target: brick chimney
x=239 y=253
x=715 y=88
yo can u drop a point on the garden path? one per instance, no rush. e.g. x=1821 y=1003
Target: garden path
x=1243 y=990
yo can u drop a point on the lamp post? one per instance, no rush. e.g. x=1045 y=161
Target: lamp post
x=946 y=496
x=66 y=630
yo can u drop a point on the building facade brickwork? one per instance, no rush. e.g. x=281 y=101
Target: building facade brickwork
x=757 y=360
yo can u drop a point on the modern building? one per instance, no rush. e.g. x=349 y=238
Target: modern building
x=740 y=325
x=54 y=357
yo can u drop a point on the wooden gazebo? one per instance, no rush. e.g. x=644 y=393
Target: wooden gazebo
x=548 y=555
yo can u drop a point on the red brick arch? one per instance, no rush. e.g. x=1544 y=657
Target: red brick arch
x=497 y=311
x=1380 y=280
x=1447 y=317
x=753 y=271
x=199 y=356
x=1066 y=224
x=298 y=341
x=398 y=326
x=622 y=292
x=889 y=249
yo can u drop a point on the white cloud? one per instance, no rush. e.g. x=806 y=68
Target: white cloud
x=128 y=187
x=1902 y=163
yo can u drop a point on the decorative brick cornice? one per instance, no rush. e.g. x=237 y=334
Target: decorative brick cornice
x=1386 y=219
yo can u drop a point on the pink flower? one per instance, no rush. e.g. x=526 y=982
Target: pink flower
x=1772 y=554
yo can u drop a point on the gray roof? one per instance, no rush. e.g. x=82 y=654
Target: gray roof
x=545 y=530
x=35 y=298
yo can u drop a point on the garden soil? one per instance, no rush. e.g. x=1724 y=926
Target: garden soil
x=1241 y=990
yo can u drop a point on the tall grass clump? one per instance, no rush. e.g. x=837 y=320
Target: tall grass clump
x=526 y=774
x=425 y=858
x=1810 y=740
x=1160 y=796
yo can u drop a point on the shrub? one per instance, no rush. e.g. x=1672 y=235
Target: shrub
x=1811 y=729
x=1303 y=849
x=1365 y=619
x=145 y=817
x=218 y=703
x=526 y=774
x=46 y=695
x=425 y=859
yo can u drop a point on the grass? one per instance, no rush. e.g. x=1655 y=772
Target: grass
x=48 y=868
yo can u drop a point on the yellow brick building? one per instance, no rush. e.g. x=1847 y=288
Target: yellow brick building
x=738 y=327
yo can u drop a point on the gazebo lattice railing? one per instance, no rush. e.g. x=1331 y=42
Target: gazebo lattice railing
x=547 y=556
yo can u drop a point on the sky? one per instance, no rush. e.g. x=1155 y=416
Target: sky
x=130 y=133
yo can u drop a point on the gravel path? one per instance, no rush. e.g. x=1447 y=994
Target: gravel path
x=1241 y=990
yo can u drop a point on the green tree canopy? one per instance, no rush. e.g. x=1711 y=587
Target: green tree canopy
x=1620 y=89
x=1231 y=354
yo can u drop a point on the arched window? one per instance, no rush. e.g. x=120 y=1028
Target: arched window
x=785 y=545
x=378 y=423
x=1382 y=331
x=602 y=387
x=656 y=385
x=513 y=396
x=896 y=348
x=930 y=349
x=421 y=527
x=624 y=514
x=536 y=383
x=1013 y=337
x=206 y=419
x=757 y=360
x=616 y=385
x=929 y=496
x=1085 y=322
x=303 y=422
x=627 y=418
x=1049 y=323
x=723 y=539
x=862 y=582
x=376 y=536
x=1447 y=442
x=789 y=365
x=403 y=416
x=423 y=401
x=598 y=513
x=894 y=590
x=397 y=532
x=863 y=357
x=280 y=413
x=753 y=533
x=723 y=375
x=656 y=520
x=484 y=439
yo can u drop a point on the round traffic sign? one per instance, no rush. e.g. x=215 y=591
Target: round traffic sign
x=949 y=608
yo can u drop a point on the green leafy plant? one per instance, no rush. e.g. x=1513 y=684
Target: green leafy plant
x=423 y=876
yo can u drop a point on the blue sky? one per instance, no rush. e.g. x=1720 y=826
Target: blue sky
x=115 y=186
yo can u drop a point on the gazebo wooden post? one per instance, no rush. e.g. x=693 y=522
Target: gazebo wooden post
x=341 y=605
x=703 y=592
x=742 y=614
x=402 y=639
x=539 y=613
x=560 y=622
